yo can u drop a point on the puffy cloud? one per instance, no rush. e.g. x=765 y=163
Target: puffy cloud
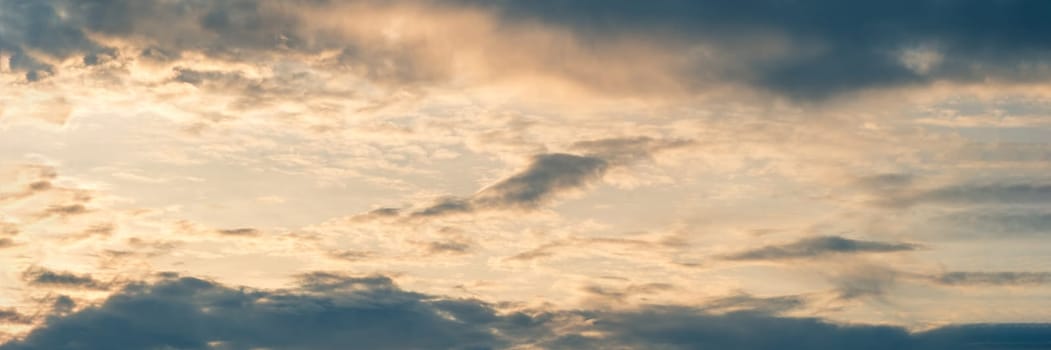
x=330 y=311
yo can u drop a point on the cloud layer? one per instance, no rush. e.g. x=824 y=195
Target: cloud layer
x=329 y=311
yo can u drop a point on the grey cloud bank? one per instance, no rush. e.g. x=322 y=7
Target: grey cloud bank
x=331 y=311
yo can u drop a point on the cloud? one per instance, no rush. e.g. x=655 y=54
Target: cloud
x=865 y=281
x=997 y=222
x=63 y=304
x=38 y=276
x=999 y=278
x=64 y=210
x=751 y=303
x=806 y=51
x=819 y=247
x=240 y=232
x=328 y=312
x=896 y=190
x=350 y=255
x=13 y=316
x=625 y=150
x=997 y=193
x=333 y=311
x=646 y=250
x=546 y=176
x=598 y=294
x=818 y=49
x=451 y=246
x=682 y=328
x=29 y=190
x=9 y=229
x=543 y=251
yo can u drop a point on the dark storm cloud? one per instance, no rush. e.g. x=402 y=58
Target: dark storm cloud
x=828 y=47
x=40 y=26
x=329 y=313
x=998 y=278
x=818 y=247
x=682 y=328
x=42 y=277
x=836 y=46
x=61 y=28
x=332 y=311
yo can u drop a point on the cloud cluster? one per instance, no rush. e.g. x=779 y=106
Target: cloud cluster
x=817 y=49
x=330 y=311
x=809 y=51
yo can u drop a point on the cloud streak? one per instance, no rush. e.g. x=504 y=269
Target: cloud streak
x=819 y=247
x=41 y=277
x=546 y=177
x=998 y=278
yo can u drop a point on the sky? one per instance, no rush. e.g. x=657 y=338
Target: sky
x=542 y=174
